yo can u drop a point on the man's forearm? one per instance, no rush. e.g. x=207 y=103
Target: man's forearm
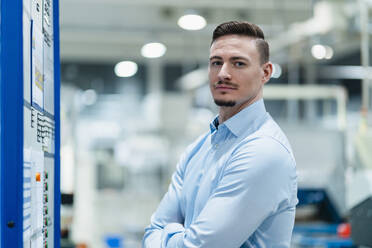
x=172 y=233
x=176 y=241
x=163 y=238
x=152 y=238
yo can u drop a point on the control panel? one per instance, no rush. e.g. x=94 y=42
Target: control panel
x=39 y=124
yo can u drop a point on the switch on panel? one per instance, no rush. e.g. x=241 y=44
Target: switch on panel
x=37 y=177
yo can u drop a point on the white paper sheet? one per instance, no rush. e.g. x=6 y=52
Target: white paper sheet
x=27 y=56
x=27 y=6
x=37 y=243
x=37 y=191
x=48 y=79
x=37 y=12
x=48 y=16
x=26 y=194
x=37 y=67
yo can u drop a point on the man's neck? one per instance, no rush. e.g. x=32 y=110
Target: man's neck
x=226 y=113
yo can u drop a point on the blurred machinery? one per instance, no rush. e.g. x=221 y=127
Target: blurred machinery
x=123 y=165
x=359 y=182
x=361 y=221
x=66 y=220
x=319 y=149
x=112 y=155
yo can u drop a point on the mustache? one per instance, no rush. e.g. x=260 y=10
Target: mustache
x=225 y=83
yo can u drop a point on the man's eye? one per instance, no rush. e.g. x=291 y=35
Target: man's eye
x=216 y=63
x=239 y=64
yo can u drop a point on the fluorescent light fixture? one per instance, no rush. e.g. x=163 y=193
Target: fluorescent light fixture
x=125 y=69
x=329 y=52
x=318 y=51
x=277 y=71
x=192 y=22
x=153 y=50
x=322 y=52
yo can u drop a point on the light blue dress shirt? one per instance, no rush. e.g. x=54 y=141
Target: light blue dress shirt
x=236 y=186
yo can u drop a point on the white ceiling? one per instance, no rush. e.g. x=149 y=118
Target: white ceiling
x=113 y=30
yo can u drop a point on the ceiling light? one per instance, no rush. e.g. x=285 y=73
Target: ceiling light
x=329 y=52
x=125 y=69
x=277 y=71
x=153 y=50
x=318 y=51
x=192 y=22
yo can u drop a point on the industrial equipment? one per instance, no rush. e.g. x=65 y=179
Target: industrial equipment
x=29 y=129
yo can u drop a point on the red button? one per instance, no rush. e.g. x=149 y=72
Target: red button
x=344 y=230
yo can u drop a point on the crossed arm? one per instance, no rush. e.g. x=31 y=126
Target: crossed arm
x=251 y=189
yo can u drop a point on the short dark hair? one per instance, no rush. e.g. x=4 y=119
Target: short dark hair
x=245 y=29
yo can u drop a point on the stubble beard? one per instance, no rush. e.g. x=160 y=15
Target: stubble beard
x=222 y=103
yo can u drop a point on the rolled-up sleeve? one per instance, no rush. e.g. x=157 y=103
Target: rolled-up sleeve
x=255 y=181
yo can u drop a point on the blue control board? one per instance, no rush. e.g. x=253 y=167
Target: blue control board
x=29 y=127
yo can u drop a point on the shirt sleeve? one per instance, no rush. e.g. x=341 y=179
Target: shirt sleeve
x=257 y=179
x=168 y=219
x=167 y=213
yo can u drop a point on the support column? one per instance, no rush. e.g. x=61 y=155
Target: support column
x=364 y=54
x=155 y=76
x=293 y=79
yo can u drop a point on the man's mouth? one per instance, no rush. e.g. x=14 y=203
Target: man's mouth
x=224 y=86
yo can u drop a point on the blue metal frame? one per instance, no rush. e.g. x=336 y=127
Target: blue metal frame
x=11 y=111
x=319 y=235
x=11 y=124
x=57 y=188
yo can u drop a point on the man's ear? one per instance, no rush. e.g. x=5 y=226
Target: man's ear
x=267 y=71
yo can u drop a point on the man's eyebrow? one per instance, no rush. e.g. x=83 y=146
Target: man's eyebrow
x=240 y=58
x=215 y=57
x=232 y=58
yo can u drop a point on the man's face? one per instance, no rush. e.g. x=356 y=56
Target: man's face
x=236 y=75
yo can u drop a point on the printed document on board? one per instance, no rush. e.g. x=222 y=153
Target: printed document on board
x=37 y=67
x=27 y=57
x=26 y=195
x=37 y=161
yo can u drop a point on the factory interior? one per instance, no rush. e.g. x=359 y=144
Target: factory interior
x=134 y=94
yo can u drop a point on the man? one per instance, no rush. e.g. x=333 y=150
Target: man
x=236 y=185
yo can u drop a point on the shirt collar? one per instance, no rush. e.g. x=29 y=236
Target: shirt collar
x=248 y=118
x=212 y=125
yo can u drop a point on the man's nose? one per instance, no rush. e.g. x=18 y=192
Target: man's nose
x=224 y=74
